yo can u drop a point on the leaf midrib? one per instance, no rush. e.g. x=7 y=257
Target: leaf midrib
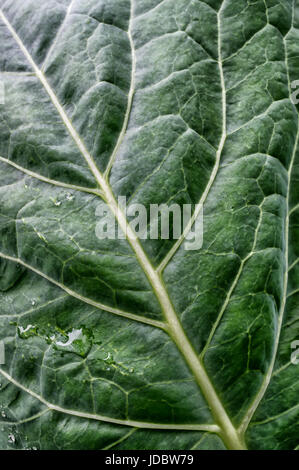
x=228 y=432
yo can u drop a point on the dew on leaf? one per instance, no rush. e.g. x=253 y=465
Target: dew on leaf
x=25 y=333
x=11 y=439
x=77 y=341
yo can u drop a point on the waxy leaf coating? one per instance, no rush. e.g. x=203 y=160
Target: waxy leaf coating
x=132 y=343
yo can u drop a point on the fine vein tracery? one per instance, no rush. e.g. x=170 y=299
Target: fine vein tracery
x=232 y=437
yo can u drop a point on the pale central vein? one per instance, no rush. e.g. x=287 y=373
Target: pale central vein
x=228 y=432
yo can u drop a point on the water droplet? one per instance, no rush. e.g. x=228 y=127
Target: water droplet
x=109 y=357
x=72 y=336
x=25 y=330
x=3 y=414
x=11 y=439
x=33 y=302
x=25 y=333
x=77 y=341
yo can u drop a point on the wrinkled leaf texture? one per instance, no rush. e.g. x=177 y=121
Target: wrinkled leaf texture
x=166 y=101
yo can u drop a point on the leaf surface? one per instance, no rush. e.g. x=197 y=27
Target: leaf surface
x=141 y=344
